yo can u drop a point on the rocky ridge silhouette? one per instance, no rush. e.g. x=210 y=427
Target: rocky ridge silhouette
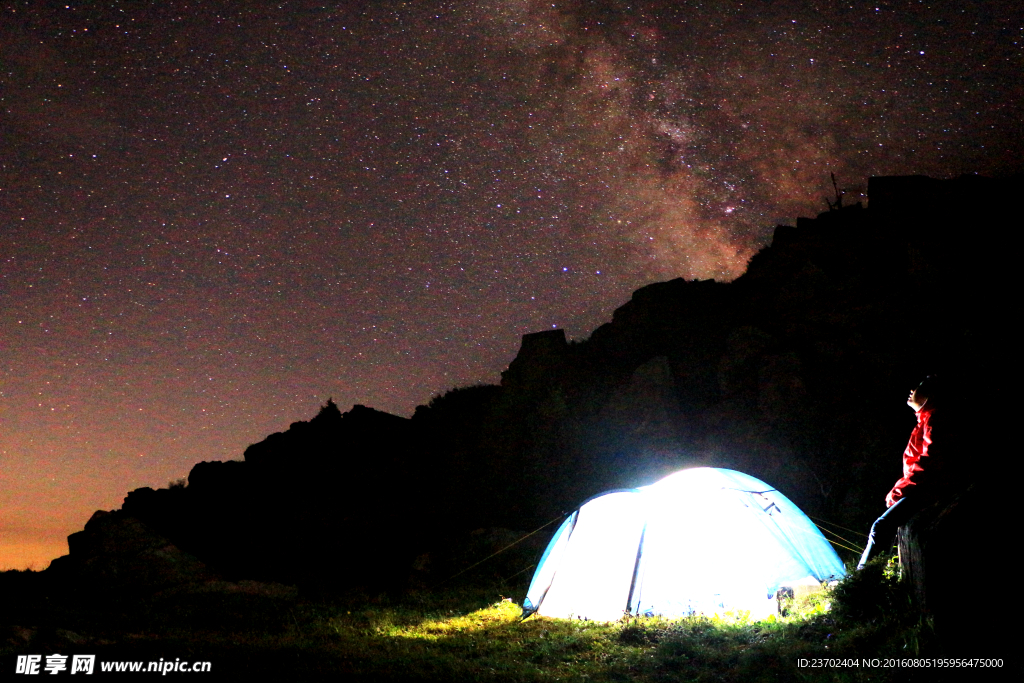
x=795 y=373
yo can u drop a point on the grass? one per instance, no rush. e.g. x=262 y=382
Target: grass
x=474 y=633
x=422 y=639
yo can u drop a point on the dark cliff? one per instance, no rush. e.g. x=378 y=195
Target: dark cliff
x=796 y=373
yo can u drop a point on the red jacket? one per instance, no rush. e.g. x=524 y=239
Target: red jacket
x=917 y=458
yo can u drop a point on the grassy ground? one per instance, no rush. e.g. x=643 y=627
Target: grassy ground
x=476 y=634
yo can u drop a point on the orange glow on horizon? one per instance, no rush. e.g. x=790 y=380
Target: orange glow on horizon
x=33 y=554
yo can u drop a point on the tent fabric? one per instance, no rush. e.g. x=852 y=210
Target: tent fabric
x=703 y=540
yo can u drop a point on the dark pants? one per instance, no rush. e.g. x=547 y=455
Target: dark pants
x=884 y=529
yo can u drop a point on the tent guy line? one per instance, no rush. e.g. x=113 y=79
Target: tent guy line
x=499 y=552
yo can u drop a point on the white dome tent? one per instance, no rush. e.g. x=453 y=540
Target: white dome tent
x=703 y=540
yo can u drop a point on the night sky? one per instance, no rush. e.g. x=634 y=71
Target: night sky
x=216 y=215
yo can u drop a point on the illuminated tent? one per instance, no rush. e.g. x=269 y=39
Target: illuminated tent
x=703 y=540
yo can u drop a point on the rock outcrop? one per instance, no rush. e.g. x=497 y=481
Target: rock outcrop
x=117 y=552
x=950 y=553
x=795 y=373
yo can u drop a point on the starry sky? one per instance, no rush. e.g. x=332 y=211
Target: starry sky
x=216 y=215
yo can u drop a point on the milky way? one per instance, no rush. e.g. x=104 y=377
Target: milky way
x=216 y=216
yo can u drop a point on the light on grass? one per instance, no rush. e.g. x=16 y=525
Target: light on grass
x=500 y=613
x=495 y=643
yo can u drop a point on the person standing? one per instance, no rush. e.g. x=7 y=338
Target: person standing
x=923 y=471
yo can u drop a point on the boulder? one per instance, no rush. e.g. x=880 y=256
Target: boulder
x=952 y=553
x=118 y=552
